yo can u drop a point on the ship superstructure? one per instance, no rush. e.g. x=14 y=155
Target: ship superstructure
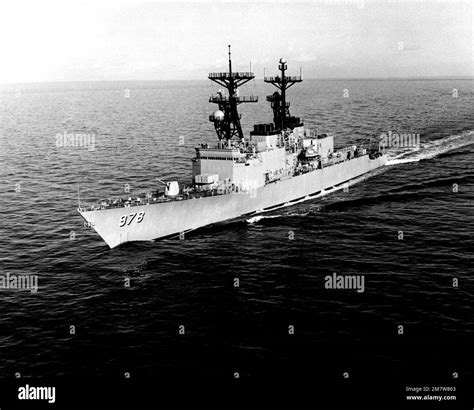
x=277 y=164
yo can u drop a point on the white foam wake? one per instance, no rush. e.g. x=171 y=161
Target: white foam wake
x=432 y=149
x=258 y=218
x=255 y=219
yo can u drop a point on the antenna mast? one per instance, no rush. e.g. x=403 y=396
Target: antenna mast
x=228 y=125
x=281 y=108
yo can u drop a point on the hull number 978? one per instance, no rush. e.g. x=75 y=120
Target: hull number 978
x=128 y=219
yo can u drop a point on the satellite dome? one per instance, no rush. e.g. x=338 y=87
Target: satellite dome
x=282 y=61
x=218 y=115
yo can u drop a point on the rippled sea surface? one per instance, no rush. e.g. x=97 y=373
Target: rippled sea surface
x=147 y=130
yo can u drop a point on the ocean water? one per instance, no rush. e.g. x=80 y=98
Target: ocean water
x=147 y=130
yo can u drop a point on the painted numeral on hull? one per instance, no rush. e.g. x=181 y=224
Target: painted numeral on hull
x=127 y=219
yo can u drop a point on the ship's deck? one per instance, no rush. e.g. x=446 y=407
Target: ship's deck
x=148 y=198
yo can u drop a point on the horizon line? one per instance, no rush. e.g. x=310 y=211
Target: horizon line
x=450 y=77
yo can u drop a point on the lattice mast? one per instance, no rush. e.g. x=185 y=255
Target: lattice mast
x=281 y=108
x=227 y=119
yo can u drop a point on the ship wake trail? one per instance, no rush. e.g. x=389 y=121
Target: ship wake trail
x=431 y=149
x=257 y=219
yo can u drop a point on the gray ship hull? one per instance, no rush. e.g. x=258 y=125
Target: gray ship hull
x=174 y=217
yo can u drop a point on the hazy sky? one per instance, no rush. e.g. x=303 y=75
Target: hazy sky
x=112 y=40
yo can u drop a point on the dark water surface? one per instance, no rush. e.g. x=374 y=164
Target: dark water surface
x=190 y=282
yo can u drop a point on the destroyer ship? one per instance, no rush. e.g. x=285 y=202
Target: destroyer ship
x=278 y=164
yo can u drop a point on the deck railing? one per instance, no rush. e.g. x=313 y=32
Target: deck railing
x=278 y=78
x=155 y=200
x=237 y=75
x=219 y=98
